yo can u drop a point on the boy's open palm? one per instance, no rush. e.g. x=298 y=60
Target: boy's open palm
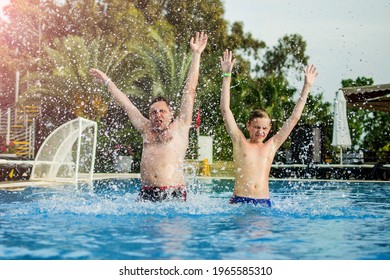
x=226 y=61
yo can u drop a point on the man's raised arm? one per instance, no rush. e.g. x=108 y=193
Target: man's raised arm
x=198 y=44
x=136 y=118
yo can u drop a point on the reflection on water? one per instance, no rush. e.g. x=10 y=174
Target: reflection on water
x=306 y=221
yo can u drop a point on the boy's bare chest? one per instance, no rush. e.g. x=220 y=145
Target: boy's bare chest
x=254 y=154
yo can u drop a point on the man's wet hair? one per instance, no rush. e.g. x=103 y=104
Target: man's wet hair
x=258 y=113
x=158 y=99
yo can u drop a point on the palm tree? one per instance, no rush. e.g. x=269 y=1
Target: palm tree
x=164 y=66
x=64 y=78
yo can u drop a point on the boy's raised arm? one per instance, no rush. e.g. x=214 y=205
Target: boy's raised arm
x=136 y=118
x=310 y=76
x=227 y=64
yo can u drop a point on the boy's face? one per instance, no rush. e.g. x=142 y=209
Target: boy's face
x=258 y=129
x=160 y=115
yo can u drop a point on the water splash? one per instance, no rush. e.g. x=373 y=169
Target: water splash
x=205 y=198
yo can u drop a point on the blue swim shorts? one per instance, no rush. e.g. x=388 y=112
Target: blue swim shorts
x=242 y=199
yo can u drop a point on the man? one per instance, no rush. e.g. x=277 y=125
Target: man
x=165 y=139
x=253 y=157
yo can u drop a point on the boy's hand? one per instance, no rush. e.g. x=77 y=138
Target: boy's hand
x=226 y=61
x=310 y=74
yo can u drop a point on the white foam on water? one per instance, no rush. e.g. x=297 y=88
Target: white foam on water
x=111 y=201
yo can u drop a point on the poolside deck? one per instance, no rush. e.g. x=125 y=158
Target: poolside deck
x=15 y=185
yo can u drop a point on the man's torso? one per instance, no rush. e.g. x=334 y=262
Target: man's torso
x=163 y=157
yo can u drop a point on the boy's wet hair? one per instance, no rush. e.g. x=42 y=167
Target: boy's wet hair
x=258 y=113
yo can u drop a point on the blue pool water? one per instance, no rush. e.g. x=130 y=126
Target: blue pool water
x=308 y=220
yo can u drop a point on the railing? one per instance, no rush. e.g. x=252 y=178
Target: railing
x=378 y=156
x=17 y=125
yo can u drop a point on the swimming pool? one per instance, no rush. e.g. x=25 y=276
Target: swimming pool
x=308 y=220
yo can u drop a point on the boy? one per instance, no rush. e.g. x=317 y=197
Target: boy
x=253 y=157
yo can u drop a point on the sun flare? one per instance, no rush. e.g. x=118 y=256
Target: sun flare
x=3 y=3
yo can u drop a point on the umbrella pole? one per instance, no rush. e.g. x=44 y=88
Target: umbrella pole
x=341 y=155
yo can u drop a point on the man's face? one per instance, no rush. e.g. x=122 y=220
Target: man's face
x=160 y=115
x=258 y=129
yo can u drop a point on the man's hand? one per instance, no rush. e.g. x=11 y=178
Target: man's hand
x=198 y=44
x=98 y=75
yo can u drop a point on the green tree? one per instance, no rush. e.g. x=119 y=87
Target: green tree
x=64 y=87
x=164 y=66
x=7 y=75
x=21 y=38
x=357 y=118
x=191 y=16
x=288 y=54
x=317 y=113
x=369 y=129
x=377 y=132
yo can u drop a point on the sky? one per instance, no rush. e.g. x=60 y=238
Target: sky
x=345 y=39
